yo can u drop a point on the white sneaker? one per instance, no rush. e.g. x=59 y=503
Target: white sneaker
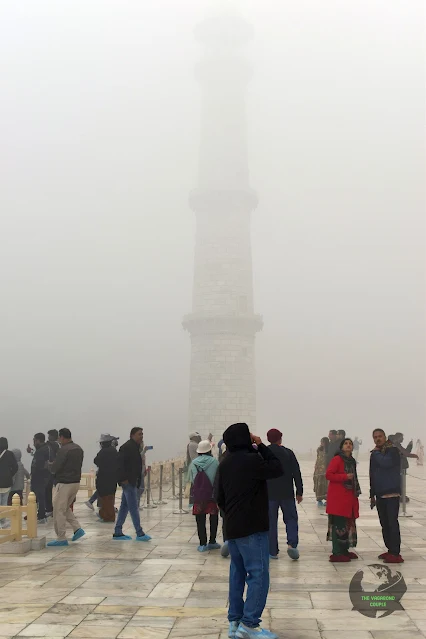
x=89 y=505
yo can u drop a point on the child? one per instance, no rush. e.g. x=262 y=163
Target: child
x=202 y=473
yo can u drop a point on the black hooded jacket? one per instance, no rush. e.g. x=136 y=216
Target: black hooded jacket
x=106 y=479
x=242 y=491
x=8 y=468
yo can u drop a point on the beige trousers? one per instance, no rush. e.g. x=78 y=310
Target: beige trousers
x=63 y=496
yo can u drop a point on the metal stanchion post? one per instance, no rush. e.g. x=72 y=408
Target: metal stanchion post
x=160 y=494
x=404 y=493
x=148 y=490
x=174 y=496
x=180 y=510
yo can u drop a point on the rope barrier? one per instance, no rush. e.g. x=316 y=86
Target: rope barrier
x=149 y=496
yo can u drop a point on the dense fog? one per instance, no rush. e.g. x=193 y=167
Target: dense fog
x=101 y=125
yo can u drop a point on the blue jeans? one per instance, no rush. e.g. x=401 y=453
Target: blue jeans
x=249 y=563
x=289 y=510
x=3 y=502
x=129 y=503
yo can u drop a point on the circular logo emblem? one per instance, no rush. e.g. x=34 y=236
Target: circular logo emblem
x=385 y=599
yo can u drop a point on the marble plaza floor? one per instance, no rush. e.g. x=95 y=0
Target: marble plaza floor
x=166 y=589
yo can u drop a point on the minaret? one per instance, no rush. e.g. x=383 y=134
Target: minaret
x=223 y=324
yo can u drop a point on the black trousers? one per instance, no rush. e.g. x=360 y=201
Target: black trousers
x=388 y=509
x=39 y=488
x=49 y=489
x=223 y=526
x=14 y=492
x=202 y=530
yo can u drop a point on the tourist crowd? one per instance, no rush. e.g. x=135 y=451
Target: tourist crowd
x=246 y=487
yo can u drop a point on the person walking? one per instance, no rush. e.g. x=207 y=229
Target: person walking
x=404 y=453
x=224 y=551
x=342 y=503
x=95 y=496
x=129 y=475
x=320 y=481
x=281 y=496
x=67 y=471
x=8 y=469
x=53 y=444
x=420 y=452
x=191 y=449
x=385 y=492
x=357 y=444
x=106 y=479
x=40 y=474
x=202 y=474
x=18 y=479
x=242 y=495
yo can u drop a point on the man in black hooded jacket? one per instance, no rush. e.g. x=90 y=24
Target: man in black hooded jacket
x=242 y=495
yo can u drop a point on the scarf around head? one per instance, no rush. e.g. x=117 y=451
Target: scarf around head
x=350 y=467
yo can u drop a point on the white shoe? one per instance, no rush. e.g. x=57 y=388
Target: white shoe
x=89 y=505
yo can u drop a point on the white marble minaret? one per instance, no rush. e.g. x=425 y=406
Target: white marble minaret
x=223 y=324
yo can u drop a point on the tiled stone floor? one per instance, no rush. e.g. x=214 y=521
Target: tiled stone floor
x=165 y=589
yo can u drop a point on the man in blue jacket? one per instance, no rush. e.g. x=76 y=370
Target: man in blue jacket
x=385 y=491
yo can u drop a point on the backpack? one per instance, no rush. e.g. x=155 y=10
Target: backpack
x=202 y=489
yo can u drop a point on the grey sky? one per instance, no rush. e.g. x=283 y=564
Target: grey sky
x=100 y=114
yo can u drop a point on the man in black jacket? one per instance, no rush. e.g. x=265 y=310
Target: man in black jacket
x=8 y=468
x=281 y=495
x=242 y=495
x=129 y=476
x=52 y=442
x=40 y=474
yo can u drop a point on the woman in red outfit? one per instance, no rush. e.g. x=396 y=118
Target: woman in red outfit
x=342 y=503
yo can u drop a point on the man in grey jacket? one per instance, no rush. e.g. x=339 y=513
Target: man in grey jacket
x=67 y=471
x=191 y=449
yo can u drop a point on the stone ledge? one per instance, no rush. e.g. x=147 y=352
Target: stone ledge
x=39 y=543
x=22 y=547
x=15 y=547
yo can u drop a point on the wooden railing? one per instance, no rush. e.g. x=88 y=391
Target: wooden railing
x=87 y=482
x=14 y=514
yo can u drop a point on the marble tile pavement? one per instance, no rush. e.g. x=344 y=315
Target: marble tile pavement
x=166 y=590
